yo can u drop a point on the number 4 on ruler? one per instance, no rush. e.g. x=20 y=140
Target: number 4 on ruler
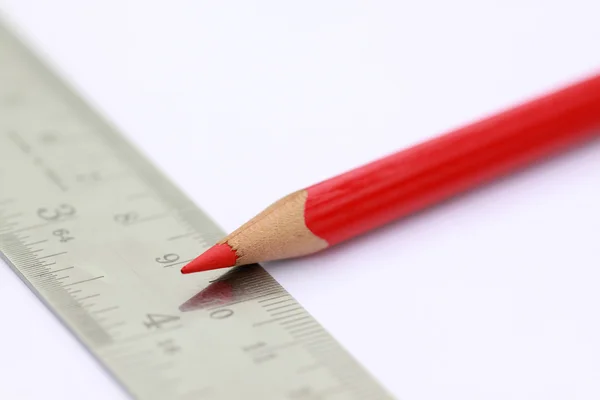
x=157 y=320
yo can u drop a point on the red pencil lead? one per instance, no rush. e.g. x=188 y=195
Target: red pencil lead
x=218 y=256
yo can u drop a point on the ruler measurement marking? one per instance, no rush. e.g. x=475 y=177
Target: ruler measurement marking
x=87 y=297
x=255 y=293
x=273 y=349
x=306 y=326
x=53 y=271
x=20 y=239
x=149 y=218
x=277 y=297
x=33 y=270
x=261 y=286
x=34 y=251
x=257 y=288
x=264 y=286
x=19 y=142
x=116 y=325
x=37 y=264
x=34 y=267
x=48 y=284
x=246 y=295
x=294 y=320
x=105 y=310
x=38 y=242
x=325 y=339
x=181 y=236
x=261 y=323
x=246 y=280
x=55 y=179
x=280 y=307
x=11 y=242
x=319 y=330
x=13 y=238
x=53 y=255
x=278 y=302
x=249 y=280
x=322 y=336
x=23 y=255
x=287 y=311
x=84 y=281
x=323 y=349
x=37 y=226
x=47 y=265
x=243 y=300
x=301 y=324
x=317 y=345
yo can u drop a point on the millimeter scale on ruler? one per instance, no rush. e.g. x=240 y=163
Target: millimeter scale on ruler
x=100 y=236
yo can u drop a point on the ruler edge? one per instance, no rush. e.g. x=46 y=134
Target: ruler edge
x=136 y=157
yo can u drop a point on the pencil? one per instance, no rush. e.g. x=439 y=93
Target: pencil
x=358 y=201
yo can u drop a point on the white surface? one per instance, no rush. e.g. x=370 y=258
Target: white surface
x=494 y=296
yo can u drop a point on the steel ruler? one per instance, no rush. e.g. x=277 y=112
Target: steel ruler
x=100 y=235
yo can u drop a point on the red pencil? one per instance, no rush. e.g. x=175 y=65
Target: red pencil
x=403 y=183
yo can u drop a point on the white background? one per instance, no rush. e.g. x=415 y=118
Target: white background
x=493 y=296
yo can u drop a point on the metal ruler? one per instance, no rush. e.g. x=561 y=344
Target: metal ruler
x=100 y=235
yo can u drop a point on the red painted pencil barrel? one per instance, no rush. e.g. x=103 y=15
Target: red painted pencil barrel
x=411 y=180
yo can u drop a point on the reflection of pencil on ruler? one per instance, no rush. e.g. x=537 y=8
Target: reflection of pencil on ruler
x=406 y=182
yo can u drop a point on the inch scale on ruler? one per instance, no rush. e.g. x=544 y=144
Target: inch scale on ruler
x=100 y=235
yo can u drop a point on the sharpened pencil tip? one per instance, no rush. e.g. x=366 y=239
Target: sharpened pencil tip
x=218 y=256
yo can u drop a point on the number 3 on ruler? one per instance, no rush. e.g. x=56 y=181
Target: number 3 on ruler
x=60 y=212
